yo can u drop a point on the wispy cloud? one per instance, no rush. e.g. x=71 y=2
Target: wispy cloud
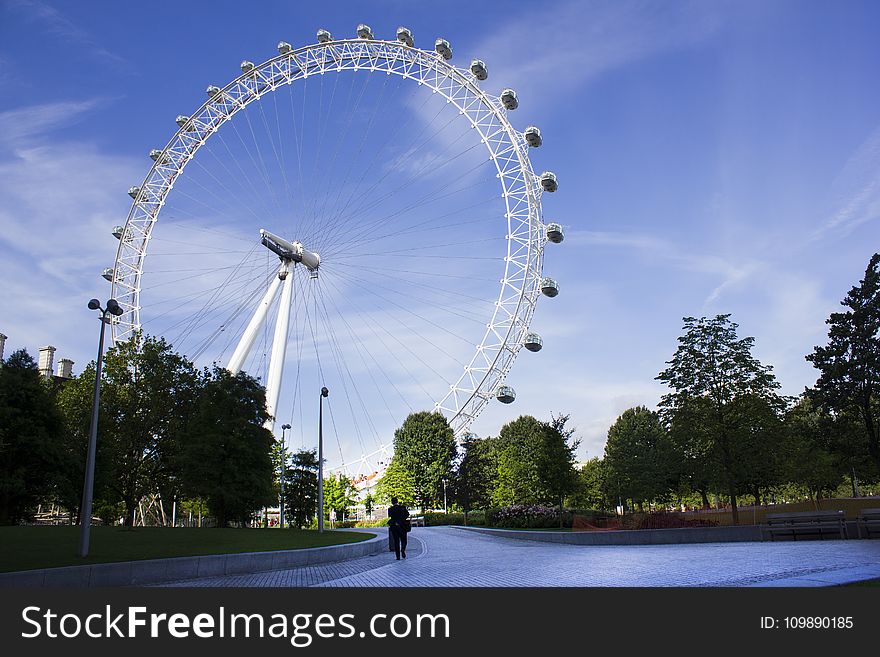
x=552 y=50
x=731 y=272
x=29 y=122
x=856 y=191
x=57 y=24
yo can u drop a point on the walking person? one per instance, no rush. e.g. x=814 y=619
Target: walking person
x=398 y=519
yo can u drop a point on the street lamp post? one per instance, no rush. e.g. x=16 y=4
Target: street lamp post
x=284 y=428
x=324 y=393
x=445 y=507
x=85 y=516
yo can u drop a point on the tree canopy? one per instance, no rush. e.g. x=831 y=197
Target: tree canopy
x=424 y=446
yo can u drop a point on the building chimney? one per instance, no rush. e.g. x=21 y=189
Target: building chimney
x=47 y=358
x=65 y=368
x=2 y=345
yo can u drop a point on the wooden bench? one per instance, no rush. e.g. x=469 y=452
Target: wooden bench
x=807 y=523
x=417 y=521
x=869 y=520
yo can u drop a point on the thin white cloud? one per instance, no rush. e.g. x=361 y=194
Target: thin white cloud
x=856 y=190
x=27 y=122
x=57 y=24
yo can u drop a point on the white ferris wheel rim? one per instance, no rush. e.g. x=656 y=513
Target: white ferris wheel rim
x=521 y=189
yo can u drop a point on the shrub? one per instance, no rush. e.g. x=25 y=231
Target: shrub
x=381 y=522
x=523 y=516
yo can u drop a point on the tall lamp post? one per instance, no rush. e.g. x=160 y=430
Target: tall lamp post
x=324 y=393
x=284 y=428
x=85 y=516
x=445 y=508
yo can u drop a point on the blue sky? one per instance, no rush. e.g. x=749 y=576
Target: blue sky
x=713 y=157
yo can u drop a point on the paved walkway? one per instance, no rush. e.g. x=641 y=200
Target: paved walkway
x=443 y=556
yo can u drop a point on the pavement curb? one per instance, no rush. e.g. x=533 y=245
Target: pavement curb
x=155 y=571
x=631 y=537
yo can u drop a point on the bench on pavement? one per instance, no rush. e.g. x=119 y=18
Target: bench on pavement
x=807 y=523
x=417 y=521
x=869 y=520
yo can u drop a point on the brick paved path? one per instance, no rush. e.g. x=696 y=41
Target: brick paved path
x=442 y=556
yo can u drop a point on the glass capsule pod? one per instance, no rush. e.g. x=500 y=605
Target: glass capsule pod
x=117 y=232
x=155 y=154
x=533 y=342
x=324 y=36
x=508 y=99
x=478 y=68
x=247 y=66
x=108 y=274
x=533 y=136
x=404 y=35
x=548 y=181
x=134 y=191
x=284 y=47
x=505 y=394
x=443 y=48
x=549 y=287
x=364 y=31
x=555 y=233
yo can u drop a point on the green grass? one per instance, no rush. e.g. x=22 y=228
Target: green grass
x=26 y=547
x=866 y=582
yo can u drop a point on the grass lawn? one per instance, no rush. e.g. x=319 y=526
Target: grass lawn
x=26 y=547
x=867 y=582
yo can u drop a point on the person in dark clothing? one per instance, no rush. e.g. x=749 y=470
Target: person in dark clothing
x=397 y=515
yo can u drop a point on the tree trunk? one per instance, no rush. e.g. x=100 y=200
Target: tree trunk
x=705 y=495
x=560 y=512
x=130 y=510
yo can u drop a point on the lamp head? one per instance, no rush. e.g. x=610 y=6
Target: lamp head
x=94 y=304
x=114 y=307
x=285 y=426
x=324 y=392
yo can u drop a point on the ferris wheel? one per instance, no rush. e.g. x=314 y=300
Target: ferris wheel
x=369 y=254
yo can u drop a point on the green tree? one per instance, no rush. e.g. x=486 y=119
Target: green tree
x=713 y=363
x=807 y=458
x=590 y=490
x=849 y=365
x=692 y=451
x=148 y=394
x=30 y=458
x=637 y=456
x=225 y=456
x=425 y=447
x=534 y=462
x=301 y=488
x=472 y=481
x=396 y=482
x=339 y=495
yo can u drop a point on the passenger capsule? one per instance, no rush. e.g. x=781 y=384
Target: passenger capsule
x=324 y=36
x=247 y=66
x=533 y=342
x=284 y=47
x=364 y=31
x=555 y=233
x=155 y=154
x=505 y=394
x=443 y=48
x=549 y=287
x=404 y=35
x=508 y=99
x=533 y=136
x=548 y=181
x=212 y=90
x=478 y=68
x=134 y=191
x=181 y=120
x=117 y=232
x=108 y=273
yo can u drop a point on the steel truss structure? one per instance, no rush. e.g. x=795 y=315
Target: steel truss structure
x=508 y=149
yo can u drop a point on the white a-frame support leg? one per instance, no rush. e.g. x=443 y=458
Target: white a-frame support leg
x=253 y=328
x=279 y=345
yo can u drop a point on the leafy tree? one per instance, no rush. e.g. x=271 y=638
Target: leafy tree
x=225 y=457
x=556 y=458
x=425 y=447
x=758 y=434
x=534 y=462
x=590 y=490
x=30 y=458
x=472 y=480
x=637 y=455
x=806 y=449
x=396 y=482
x=711 y=362
x=339 y=495
x=849 y=365
x=301 y=488
x=692 y=447
x=369 y=501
